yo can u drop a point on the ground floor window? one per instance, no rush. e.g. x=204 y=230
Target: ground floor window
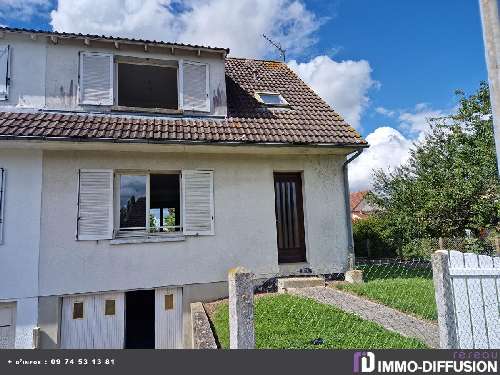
x=149 y=203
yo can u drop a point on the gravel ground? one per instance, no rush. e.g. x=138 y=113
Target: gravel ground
x=387 y=317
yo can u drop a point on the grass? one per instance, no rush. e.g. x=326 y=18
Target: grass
x=290 y=322
x=408 y=290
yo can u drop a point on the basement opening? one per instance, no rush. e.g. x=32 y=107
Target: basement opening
x=140 y=319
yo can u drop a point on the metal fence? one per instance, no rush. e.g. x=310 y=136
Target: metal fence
x=400 y=303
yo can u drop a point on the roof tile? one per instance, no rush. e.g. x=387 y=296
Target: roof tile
x=308 y=120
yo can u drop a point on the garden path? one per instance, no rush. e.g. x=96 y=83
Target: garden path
x=387 y=317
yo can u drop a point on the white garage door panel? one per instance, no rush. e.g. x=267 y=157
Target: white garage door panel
x=109 y=329
x=95 y=330
x=7 y=326
x=168 y=323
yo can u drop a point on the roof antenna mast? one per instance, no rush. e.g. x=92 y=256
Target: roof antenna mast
x=278 y=46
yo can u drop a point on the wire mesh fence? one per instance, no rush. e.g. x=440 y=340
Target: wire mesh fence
x=394 y=307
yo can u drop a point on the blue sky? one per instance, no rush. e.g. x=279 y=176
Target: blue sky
x=420 y=51
x=386 y=65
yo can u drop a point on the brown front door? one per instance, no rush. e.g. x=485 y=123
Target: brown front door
x=289 y=217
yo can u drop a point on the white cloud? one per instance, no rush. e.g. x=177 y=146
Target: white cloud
x=416 y=122
x=388 y=149
x=238 y=25
x=344 y=85
x=23 y=10
x=385 y=111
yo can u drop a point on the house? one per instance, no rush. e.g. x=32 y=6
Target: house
x=136 y=173
x=360 y=207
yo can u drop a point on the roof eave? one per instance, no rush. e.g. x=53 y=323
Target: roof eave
x=183 y=142
x=111 y=39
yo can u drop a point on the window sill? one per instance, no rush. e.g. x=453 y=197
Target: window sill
x=148 y=239
x=121 y=108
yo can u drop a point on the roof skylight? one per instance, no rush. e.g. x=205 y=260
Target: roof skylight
x=271 y=99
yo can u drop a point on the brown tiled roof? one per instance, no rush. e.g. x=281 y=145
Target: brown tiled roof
x=356 y=198
x=308 y=121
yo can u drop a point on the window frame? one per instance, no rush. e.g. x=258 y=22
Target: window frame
x=284 y=103
x=74 y=311
x=5 y=96
x=111 y=307
x=138 y=233
x=3 y=185
x=148 y=62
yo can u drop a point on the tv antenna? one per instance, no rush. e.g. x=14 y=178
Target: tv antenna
x=278 y=46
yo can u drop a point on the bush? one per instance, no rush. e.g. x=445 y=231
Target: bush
x=419 y=248
x=370 y=239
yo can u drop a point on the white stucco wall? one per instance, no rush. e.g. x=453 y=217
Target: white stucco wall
x=21 y=239
x=45 y=75
x=26 y=321
x=27 y=72
x=21 y=232
x=245 y=228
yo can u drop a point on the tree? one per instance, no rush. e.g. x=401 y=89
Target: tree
x=450 y=181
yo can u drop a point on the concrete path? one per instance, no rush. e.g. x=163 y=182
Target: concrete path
x=387 y=317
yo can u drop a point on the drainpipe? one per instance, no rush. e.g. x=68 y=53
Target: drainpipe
x=350 y=240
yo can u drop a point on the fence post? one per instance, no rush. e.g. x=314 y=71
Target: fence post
x=497 y=245
x=444 y=300
x=440 y=243
x=241 y=327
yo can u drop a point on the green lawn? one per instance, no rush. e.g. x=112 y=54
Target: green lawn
x=408 y=290
x=290 y=322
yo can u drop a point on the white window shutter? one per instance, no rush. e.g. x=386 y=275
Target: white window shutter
x=96 y=78
x=4 y=72
x=195 y=87
x=95 y=204
x=2 y=201
x=198 y=202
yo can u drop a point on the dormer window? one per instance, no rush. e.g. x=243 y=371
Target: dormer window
x=126 y=83
x=147 y=86
x=272 y=99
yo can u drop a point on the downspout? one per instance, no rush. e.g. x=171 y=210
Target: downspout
x=350 y=239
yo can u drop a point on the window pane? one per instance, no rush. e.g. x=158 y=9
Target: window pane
x=147 y=86
x=164 y=203
x=169 y=301
x=78 y=310
x=109 y=307
x=271 y=98
x=133 y=201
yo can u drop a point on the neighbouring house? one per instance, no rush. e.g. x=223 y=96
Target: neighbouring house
x=135 y=174
x=360 y=207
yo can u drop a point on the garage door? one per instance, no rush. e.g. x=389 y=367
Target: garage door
x=7 y=325
x=94 y=321
x=168 y=318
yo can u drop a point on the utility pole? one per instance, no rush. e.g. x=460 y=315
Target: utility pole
x=490 y=19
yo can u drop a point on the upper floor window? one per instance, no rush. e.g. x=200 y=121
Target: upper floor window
x=147 y=86
x=271 y=98
x=130 y=83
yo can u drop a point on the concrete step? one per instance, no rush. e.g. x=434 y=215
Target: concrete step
x=286 y=283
